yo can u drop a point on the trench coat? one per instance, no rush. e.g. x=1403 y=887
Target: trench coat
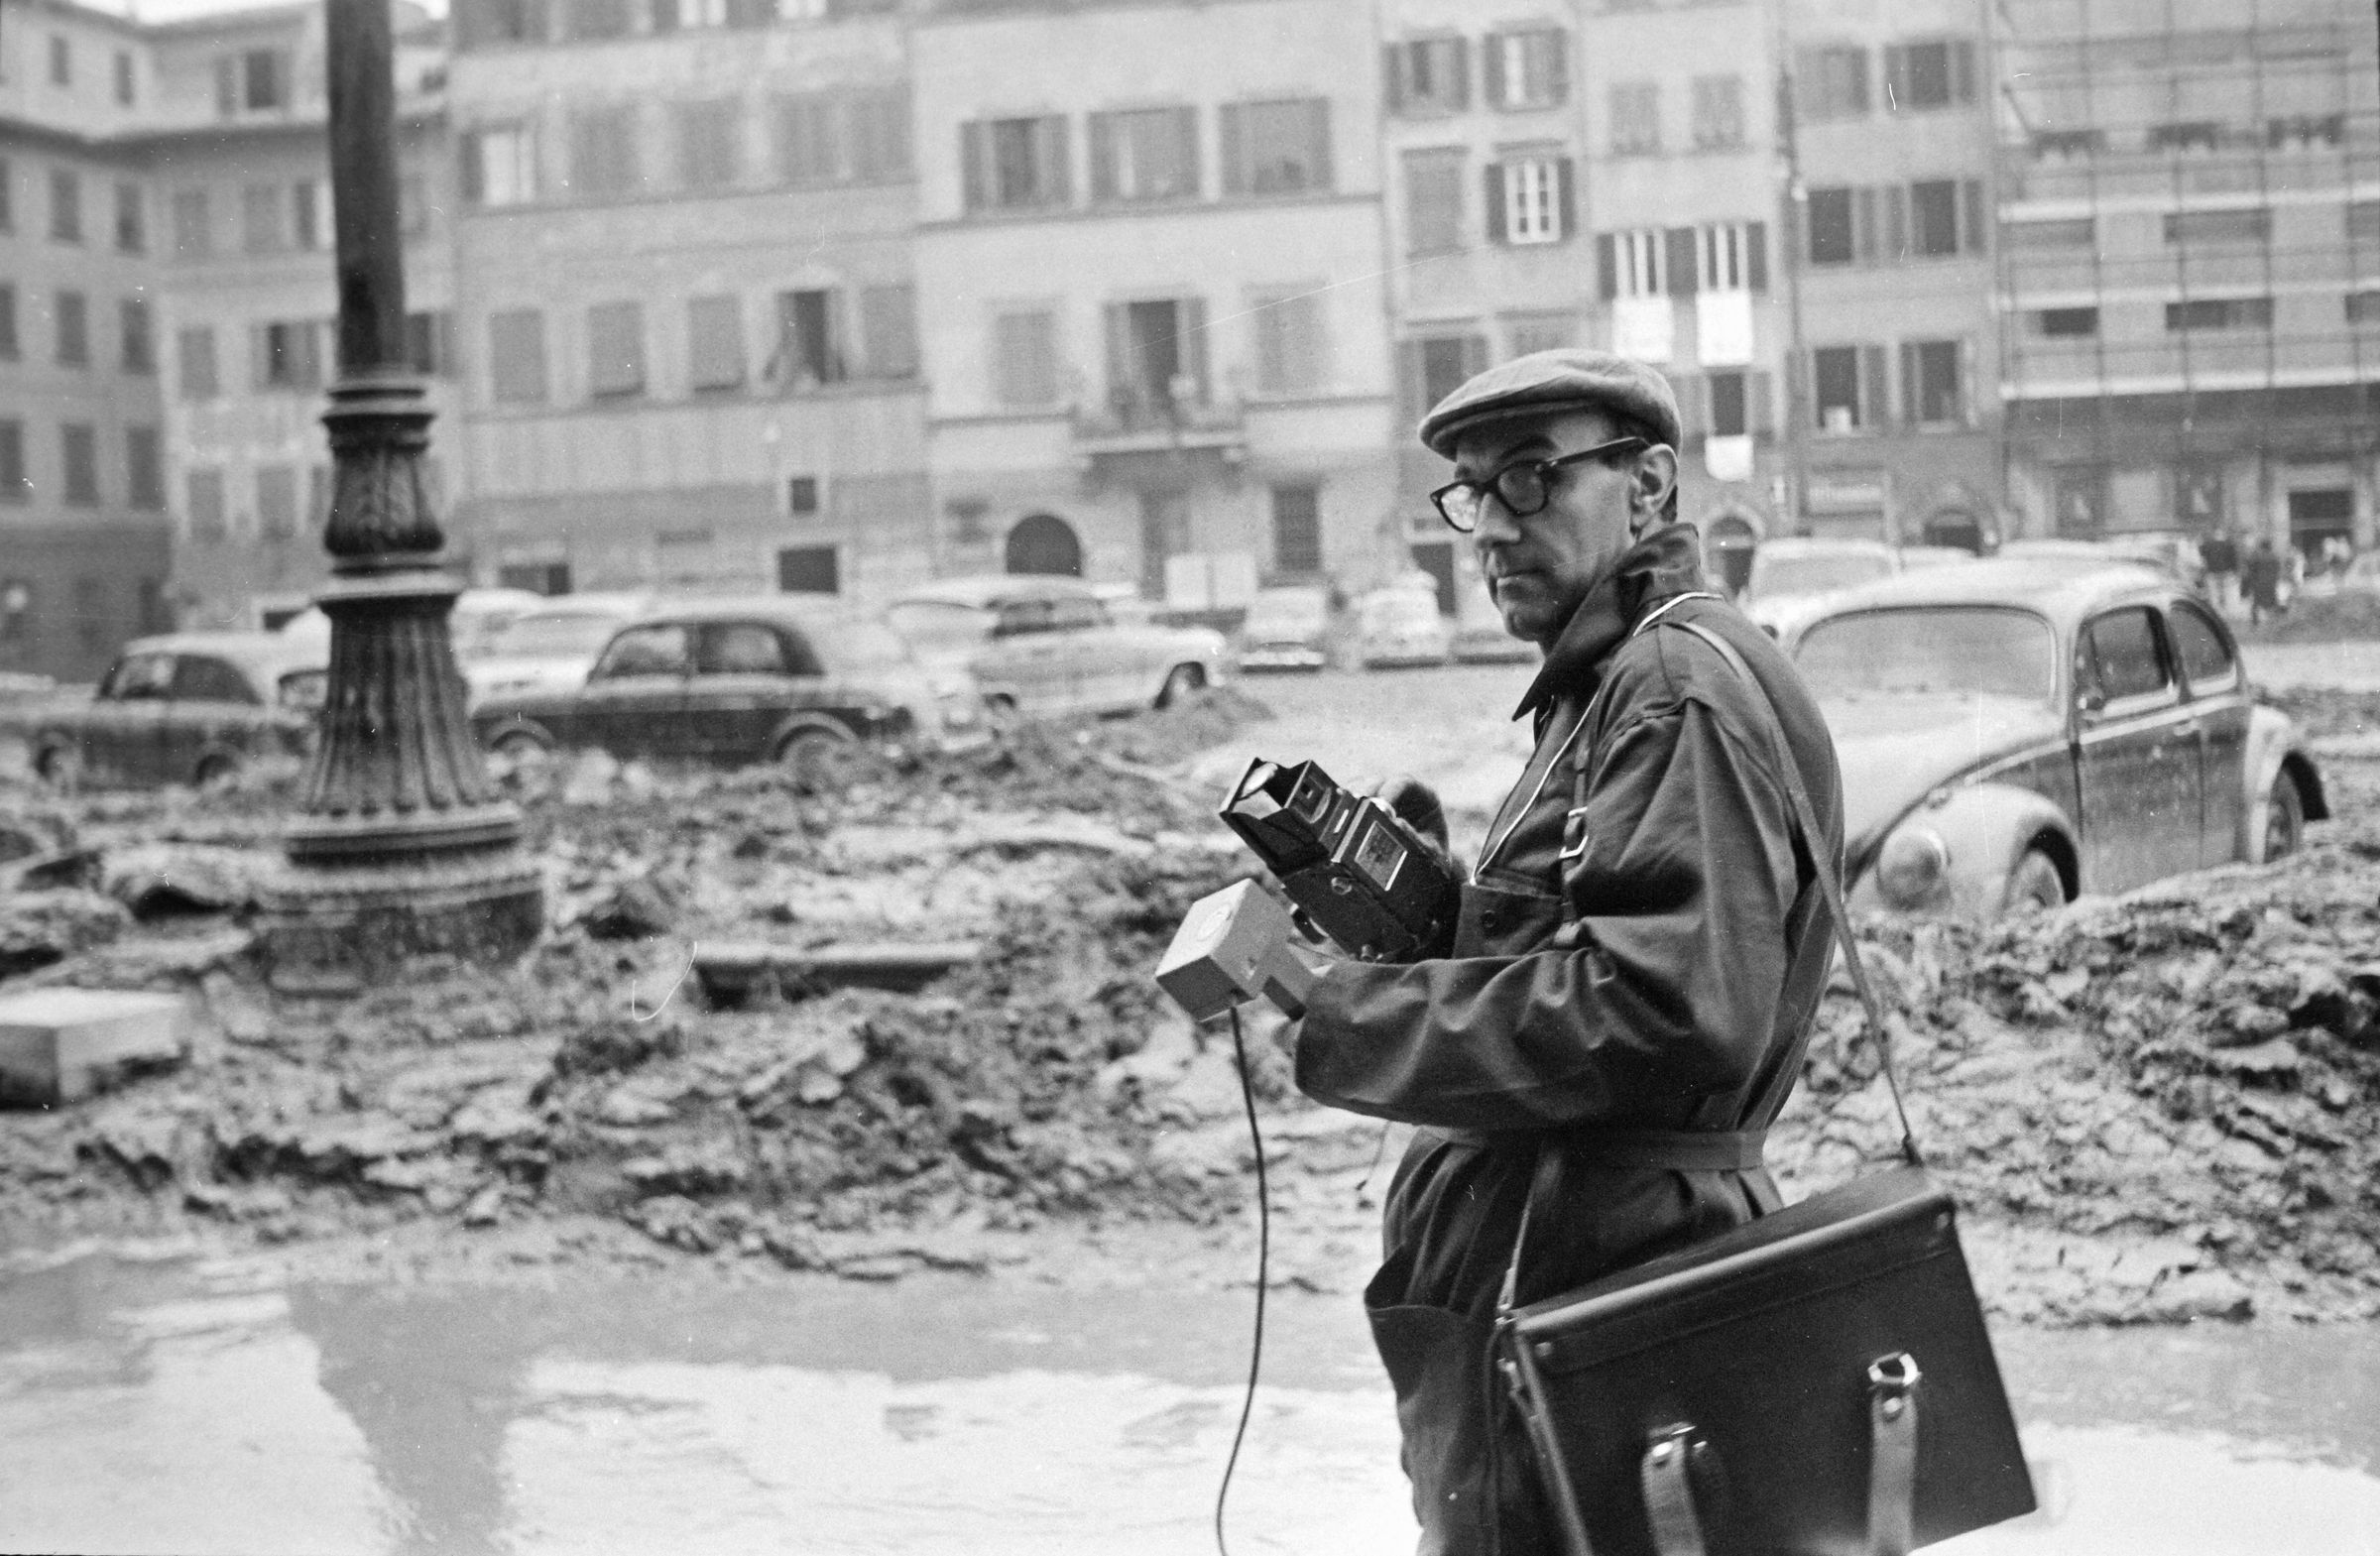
x=1642 y=946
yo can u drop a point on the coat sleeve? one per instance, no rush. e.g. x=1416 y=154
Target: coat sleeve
x=1665 y=996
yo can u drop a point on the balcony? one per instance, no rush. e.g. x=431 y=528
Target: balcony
x=1160 y=441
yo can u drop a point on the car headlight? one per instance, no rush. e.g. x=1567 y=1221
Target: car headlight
x=1913 y=866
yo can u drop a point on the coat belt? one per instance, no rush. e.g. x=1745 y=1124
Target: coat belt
x=1675 y=1150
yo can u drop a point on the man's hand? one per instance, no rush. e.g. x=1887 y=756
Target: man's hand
x=1416 y=806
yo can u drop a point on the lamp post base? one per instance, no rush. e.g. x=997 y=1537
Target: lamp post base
x=341 y=930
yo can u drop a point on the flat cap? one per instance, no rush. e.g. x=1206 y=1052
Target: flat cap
x=1547 y=382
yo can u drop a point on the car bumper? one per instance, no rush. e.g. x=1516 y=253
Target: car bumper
x=1283 y=657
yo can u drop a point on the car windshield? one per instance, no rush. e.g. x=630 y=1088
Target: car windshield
x=940 y=626
x=1284 y=612
x=571 y=632
x=861 y=646
x=305 y=691
x=1973 y=651
x=1778 y=577
x=1388 y=612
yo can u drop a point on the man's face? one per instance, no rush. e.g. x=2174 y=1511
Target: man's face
x=1539 y=567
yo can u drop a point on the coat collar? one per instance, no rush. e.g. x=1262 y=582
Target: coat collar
x=1665 y=563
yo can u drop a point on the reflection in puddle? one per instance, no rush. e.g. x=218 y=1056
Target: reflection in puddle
x=170 y=1410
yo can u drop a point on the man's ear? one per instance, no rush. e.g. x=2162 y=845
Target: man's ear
x=1655 y=480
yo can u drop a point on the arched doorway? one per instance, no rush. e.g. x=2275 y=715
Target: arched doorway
x=1729 y=541
x=1955 y=527
x=1044 y=543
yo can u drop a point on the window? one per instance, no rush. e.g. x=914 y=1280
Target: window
x=1934 y=217
x=79 y=445
x=202 y=496
x=841 y=137
x=1528 y=70
x=1290 y=340
x=2074 y=232
x=65 y=205
x=1830 y=227
x=1928 y=75
x=144 y=468
x=1831 y=82
x=2079 y=495
x=90 y=612
x=10 y=348
x=2363 y=222
x=132 y=226
x=715 y=342
x=193 y=231
x=62 y=60
x=1545 y=333
x=614 y=349
x=1834 y=371
x=287 y=354
x=1016 y=163
x=2306 y=132
x=2253 y=225
x=889 y=331
x=124 y=80
x=706 y=144
x=429 y=343
x=1529 y=200
x=2362 y=308
x=2122 y=656
x=1149 y=154
x=1717 y=113
x=2208 y=662
x=596 y=20
x=2220 y=314
x=1434 y=201
x=513 y=21
x=73 y=324
x=1731 y=256
x=1635 y=118
x=1427 y=75
x=809 y=346
x=517 y=357
x=1933 y=379
x=140 y=343
x=194 y=352
x=801 y=496
x=2185 y=135
x=1297 y=529
x=310 y=215
x=8 y=196
x=413 y=206
x=808 y=569
x=603 y=151
x=1276 y=147
x=2065 y=323
x=1730 y=408
x=2199 y=497
x=256 y=80
x=1025 y=358
x=1156 y=357
x=15 y=487
x=1434 y=366
x=1635 y=263
x=261 y=230
x=878 y=138
x=16 y=606
x=646 y=650
x=276 y=502
x=500 y=165
x=738 y=649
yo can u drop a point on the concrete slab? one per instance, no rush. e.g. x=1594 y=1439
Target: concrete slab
x=62 y=1044
x=730 y=971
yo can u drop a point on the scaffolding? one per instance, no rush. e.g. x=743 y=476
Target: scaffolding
x=2190 y=255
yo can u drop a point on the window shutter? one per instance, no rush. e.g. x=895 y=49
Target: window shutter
x=1185 y=137
x=1474 y=355
x=1123 y=381
x=1968 y=399
x=1680 y=261
x=1755 y=256
x=1758 y=412
x=1494 y=47
x=1191 y=350
x=1458 y=65
x=1962 y=70
x=1232 y=137
x=1393 y=77
x=1863 y=225
x=1103 y=157
x=1566 y=192
x=1975 y=238
x=1875 y=401
x=1318 y=140
x=469 y=173
x=1497 y=230
x=260 y=356
x=1555 y=48
x=1412 y=383
x=1896 y=77
x=1909 y=386
x=1694 y=405
x=1057 y=168
x=972 y=149
x=227 y=87
x=1896 y=223
x=1606 y=264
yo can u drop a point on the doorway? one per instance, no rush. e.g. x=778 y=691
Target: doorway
x=1043 y=544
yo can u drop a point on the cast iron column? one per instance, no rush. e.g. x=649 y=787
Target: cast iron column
x=401 y=846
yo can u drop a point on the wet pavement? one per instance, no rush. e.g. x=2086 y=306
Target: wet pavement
x=191 y=1407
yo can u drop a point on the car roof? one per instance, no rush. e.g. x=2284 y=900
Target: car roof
x=622 y=602
x=265 y=652
x=793 y=610
x=1822 y=545
x=2050 y=584
x=983 y=590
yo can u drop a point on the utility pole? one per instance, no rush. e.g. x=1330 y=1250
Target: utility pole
x=401 y=846
x=1795 y=213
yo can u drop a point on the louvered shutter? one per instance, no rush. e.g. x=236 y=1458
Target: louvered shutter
x=1973 y=233
x=974 y=144
x=1458 y=56
x=1191 y=349
x=1185 y=139
x=1910 y=408
x=1413 y=382
x=1896 y=223
x=1876 y=397
x=1606 y=264
x=1494 y=179
x=1680 y=261
x=1123 y=379
x=1494 y=47
x=227 y=86
x=1555 y=45
x=1758 y=412
x=1566 y=192
x=1863 y=225
x=260 y=356
x=1318 y=141
x=1897 y=79
x=1694 y=405
x=1103 y=157
x=1231 y=134
x=1755 y=256
x=1393 y=77
x=468 y=172
x=1057 y=168
x=1474 y=355
x=1963 y=71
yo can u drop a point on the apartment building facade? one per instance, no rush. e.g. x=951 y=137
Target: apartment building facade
x=1151 y=301
x=689 y=329
x=84 y=546
x=247 y=321
x=2191 y=265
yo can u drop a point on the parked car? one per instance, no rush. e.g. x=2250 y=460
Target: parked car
x=1401 y=626
x=1912 y=558
x=184 y=708
x=2174 y=556
x=551 y=645
x=1042 y=645
x=478 y=616
x=1792 y=574
x=735 y=681
x=1287 y=629
x=2015 y=733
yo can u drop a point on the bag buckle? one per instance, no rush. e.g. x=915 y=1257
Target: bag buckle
x=1892 y=1378
x=1575 y=819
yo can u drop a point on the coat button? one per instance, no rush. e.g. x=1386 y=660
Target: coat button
x=1492 y=920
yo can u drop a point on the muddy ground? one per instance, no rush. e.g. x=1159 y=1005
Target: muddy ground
x=2158 y=1108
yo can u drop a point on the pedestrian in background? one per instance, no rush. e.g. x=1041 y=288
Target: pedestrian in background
x=2260 y=575
x=2220 y=555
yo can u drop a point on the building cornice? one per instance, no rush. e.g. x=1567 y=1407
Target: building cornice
x=991 y=221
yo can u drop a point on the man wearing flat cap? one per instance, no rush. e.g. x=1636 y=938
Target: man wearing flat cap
x=1622 y=1006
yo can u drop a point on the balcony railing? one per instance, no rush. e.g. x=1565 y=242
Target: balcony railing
x=1153 y=421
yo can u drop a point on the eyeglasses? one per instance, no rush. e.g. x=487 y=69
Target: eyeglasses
x=1524 y=486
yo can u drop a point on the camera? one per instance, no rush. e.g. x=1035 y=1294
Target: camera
x=1351 y=864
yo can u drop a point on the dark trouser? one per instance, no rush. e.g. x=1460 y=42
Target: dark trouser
x=1475 y=1489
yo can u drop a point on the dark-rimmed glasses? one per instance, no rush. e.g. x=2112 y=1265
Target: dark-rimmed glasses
x=1524 y=486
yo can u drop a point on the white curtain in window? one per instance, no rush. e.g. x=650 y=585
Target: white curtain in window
x=1729 y=459
x=1723 y=328
x=1643 y=329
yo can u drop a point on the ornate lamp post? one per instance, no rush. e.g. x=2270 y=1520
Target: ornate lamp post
x=401 y=845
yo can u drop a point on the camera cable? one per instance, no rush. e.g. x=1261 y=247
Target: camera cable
x=1255 y=1347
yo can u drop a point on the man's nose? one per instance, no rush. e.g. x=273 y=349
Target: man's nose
x=1495 y=525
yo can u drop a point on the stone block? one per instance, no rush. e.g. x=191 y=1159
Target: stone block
x=62 y=1044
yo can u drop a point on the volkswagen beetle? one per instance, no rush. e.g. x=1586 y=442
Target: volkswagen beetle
x=2016 y=733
